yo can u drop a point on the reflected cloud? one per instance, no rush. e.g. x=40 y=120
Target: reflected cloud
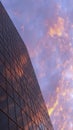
x=18 y=68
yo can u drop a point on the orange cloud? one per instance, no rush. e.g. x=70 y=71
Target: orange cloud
x=51 y=110
x=59 y=109
x=57 y=28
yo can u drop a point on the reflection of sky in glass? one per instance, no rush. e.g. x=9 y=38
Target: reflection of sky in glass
x=47 y=29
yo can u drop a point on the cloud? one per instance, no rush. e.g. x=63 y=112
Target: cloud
x=57 y=29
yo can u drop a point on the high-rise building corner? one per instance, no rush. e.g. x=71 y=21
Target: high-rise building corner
x=22 y=106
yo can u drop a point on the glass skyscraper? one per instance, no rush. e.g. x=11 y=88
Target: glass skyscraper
x=21 y=103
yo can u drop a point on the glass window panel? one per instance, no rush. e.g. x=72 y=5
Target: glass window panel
x=24 y=96
x=34 y=126
x=12 y=125
x=3 y=121
x=20 y=128
x=8 y=74
x=7 y=55
x=3 y=100
x=2 y=81
x=37 y=128
x=24 y=118
x=11 y=108
x=22 y=103
x=13 y=74
x=17 y=87
x=1 y=48
x=1 y=58
x=9 y=89
x=30 y=128
x=2 y=66
x=19 y=116
x=17 y=97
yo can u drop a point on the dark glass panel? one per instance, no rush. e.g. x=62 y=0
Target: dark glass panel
x=3 y=100
x=16 y=97
x=3 y=121
x=11 y=108
x=12 y=125
x=24 y=116
x=2 y=81
x=19 y=115
x=9 y=89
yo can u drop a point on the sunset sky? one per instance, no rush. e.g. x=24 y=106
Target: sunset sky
x=46 y=27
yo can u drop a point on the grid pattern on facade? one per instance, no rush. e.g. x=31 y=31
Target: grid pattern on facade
x=21 y=103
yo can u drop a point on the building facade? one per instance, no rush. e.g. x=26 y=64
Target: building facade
x=21 y=103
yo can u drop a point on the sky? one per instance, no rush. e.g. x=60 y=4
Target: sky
x=46 y=27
